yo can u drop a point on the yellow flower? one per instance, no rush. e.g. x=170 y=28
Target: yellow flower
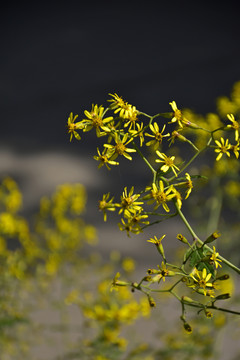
x=178 y=197
x=138 y=132
x=106 y=205
x=201 y=280
x=234 y=125
x=72 y=126
x=223 y=148
x=160 y=196
x=235 y=148
x=189 y=185
x=157 y=135
x=104 y=159
x=95 y=119
x=120 y=106
x=168 y=162
x=156 y=241
x=120 y=148
x=129 y=203
x=177 y=114
x=214 y=259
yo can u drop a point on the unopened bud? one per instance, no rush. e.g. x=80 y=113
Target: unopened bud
x=151 y=301
x=223 y=277
x=190 y=124
x=208 y=314
x=212 y=237
x=182 y=238
x=187 y=327
x=187 y=299
x=176 y=134
x=223 y=296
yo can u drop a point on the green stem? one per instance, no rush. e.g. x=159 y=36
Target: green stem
x=225 y=261
x=146 y=161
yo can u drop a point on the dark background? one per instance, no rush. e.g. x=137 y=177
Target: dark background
x=63 y=56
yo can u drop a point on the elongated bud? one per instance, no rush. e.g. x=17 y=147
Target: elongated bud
x=177 y=135
x=223 y=277
x=161 y=250
x=187 y=299
x=223 y=296
x=190 y=124
x=212 y=237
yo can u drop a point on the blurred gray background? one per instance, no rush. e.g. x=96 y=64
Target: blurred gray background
x=64 y=56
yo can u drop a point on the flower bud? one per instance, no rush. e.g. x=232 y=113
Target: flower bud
x=151 y=301
x=212 y=237
x=223 y=277
x=208 y=314
x=187 y=299
x=223 y=296
x=182 y=238
x=187 y=327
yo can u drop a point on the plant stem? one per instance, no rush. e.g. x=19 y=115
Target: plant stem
x=225 y=261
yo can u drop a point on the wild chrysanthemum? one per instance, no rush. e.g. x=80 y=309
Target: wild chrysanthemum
x=168 y=162
x=177 y=114
x=106 y=205
x=223 y=148
x=236 y=148
x=189 y=185
x=104 y=159
x=95 y=119
x=120 y=106
x=160 y=196
x=120 y=147
x=129 y=202
x=201 y=280
x=214 y=258
x=72 y=126
x=235 y=125
x=157 y=135
x=138 y=133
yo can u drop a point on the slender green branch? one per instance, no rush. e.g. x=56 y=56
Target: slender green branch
x=225 y=261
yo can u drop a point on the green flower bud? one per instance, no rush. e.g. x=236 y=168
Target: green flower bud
x=187 y=327
x=223 y=296
x=151 y=301
x=223 y=277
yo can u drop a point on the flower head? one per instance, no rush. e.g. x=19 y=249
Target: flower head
x=177 y=114
x=120 y=147
x=235 y=125
x=138 y=133
x=72 y=126
x=214 y=258
x=157 y=135
x=160 y=195
x=106 y=205
x=95 y=119
x=189 y=185
x=201 y=280
x=120 y=106
x=168 y=162
x=104 y=159
x=222 y=148
x=129 y=202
